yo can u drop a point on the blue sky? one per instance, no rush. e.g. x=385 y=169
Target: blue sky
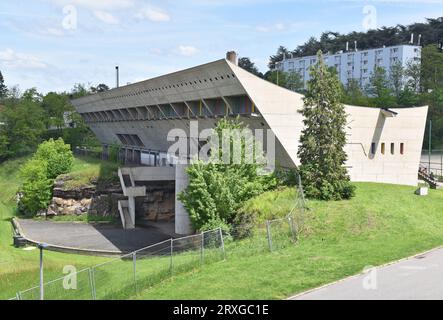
x=53 y=44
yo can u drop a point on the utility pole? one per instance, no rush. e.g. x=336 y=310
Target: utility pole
x=117 y=76
x=430 y=145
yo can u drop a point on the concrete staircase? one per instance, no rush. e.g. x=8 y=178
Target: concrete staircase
x=423 y=175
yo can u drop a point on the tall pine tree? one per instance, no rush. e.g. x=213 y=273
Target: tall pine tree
x=322 y=141
x=3 y=89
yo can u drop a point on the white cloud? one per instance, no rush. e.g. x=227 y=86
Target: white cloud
x=105 y=17
x=153 y=14
x=108 y=5
x=12 y=59
x=275 y=27
x=187 y=50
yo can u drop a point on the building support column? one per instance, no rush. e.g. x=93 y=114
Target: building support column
x=131 y=208
x=182 y=221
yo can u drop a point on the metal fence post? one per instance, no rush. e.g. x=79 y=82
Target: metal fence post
x=291 y=226
x=268 y=232
x=222 y=243
x=202 y=248
x=171 y=253
x=92 y=279
x=134 y=262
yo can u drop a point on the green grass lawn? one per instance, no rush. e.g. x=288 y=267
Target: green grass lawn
x=381 y=224
x=18 y=267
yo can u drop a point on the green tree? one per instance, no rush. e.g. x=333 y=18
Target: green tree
x=36 y=189
x=249 y=66
x=413 y=75
x=3 y=88
x=99 y=88
x=23 y=124
x=396 y=78
x=55 y=105
x=277 y=77
x=353 y=94
x=321 y=152
x=58 y=156
x=294 y=81
x=431 y=68
x=379 y=89
x=217 y=190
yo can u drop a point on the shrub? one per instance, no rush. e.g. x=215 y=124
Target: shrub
x=58 y=156
x=216 y=191
x=36 y=189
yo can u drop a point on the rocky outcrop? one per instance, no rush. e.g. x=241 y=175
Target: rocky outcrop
x=84 y=199
x=159 y=203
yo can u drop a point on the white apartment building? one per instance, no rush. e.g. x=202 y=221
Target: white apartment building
x=353 y=64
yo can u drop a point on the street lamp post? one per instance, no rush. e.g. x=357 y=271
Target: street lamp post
x=41 y=246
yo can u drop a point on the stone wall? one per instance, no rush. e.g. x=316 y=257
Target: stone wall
x=159 y=203
x=84 y=199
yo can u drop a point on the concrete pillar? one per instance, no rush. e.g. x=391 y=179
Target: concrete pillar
x=182 y=221
x=131 y=208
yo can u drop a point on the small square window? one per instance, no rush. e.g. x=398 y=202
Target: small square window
x=383 y=148
x=392 y=148
x=373 y=147
x=402 y=148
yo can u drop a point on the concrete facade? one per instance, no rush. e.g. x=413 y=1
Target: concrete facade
x=383 y=145
x=358 y=65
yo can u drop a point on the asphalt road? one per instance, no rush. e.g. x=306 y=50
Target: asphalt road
x=420 y=277
x=100 y=237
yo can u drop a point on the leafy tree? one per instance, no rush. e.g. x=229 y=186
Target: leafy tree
x=58 y=156
x=99 y=88
x=431 y=68
x=294 y=81
x=322 y=140
x=55 y=105
x=249 y=66
x=279 y=56
x=277 y=77
x=36 y=189
x=353 y=94
x=396 y=78
x=23 y=124
x=217 y=190
x=413 y=75
x=379 y=89
x=3 y=88
x=79 y=90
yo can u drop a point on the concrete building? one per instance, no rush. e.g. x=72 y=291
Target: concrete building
x=356 y=64
x=383 y=145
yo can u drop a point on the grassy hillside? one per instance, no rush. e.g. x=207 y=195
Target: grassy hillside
x=381 y=224
x=18 y=267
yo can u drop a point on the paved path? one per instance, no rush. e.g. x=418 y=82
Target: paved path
x=420 y=277
x=100 y=237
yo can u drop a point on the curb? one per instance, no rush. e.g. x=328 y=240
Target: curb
x=293 y=297
x=65 y=249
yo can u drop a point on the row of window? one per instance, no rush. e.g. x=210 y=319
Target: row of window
x=213 y=107
x=383 y=148
x=169 y=86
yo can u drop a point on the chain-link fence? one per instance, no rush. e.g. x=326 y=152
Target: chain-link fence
x=129 y=274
